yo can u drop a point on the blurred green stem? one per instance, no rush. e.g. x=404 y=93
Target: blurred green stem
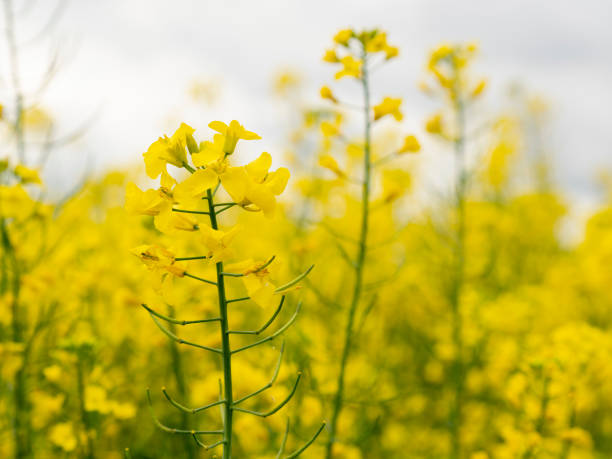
x=359 y=264
x=458 y=370
x=89 y=447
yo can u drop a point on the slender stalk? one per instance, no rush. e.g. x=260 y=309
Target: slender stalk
x=22 y=427
x=89 y=446
x=458 y=370
x=358 y=265
x=225 y=343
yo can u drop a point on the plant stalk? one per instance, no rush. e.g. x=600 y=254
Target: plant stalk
x=359 y=265
x=225 y=343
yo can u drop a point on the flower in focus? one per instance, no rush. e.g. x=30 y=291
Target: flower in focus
x=218 y=243
x=232 y=133
x=169 y=151
x=256 y=279
x=157 y=258
x=254 y=184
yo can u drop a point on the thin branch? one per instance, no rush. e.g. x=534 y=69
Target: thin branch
x=244 y=298
x=270 y=383
x=202 y=257
x=275 y=409
x=207 y=447
x=272 y=336
x=172 y=430
x=173 y=337
x=290 y=284
x=186 y=409
x=264 y=326
x=185 y=211
x=200 y=279
x=310 y=442
x=281 y=450
x=178 y=322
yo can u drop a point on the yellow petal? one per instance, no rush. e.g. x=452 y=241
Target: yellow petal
x=277 y=180
x=258 y=169
x=195 y=186
x=218 y=126
x=235 y=181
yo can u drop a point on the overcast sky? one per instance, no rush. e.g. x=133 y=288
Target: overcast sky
x=130 y=62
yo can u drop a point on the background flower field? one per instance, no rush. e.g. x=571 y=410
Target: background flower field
x=368 y=281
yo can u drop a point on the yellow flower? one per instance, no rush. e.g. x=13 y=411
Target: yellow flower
x=169 y=150
x=328 y=162
x=434 y=124
x=253 y=184
x=232 y=133
x=351 y=67
x=194 y=187
x=27 y=175
x=149 y=202
x=411 y=145
x=327 y=93
x=389 y=106
x=218 y=243
x=53 y=373
x=159 y=203
x=395 y=183
x=331 y=56
x=62 y=435
x=157 y=258
x=391 y=52
x=479 y=88
x=256 y=279
x=95 y=399
x=124 y=410
x=377 y=43
x=343 y=37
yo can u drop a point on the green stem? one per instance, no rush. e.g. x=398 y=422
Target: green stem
x=21 y=416
x=225 y=343
x=358 y=265
x=458 y=370
x=89 y=452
